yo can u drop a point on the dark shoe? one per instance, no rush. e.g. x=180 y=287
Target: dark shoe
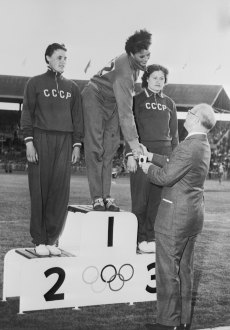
x=158 y=326
x=110 y=205
x=98 y=204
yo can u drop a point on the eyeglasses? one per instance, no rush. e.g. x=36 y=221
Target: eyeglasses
x=192 y=113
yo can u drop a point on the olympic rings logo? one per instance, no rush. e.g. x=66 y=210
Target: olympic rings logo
x=109 y=276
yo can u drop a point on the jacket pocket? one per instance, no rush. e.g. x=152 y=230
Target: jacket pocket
x=164 y=219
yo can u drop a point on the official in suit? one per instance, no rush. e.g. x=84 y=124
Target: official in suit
x=180 y=217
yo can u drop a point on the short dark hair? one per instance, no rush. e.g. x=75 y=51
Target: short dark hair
x=138 y=41
x=51 y=49
x=149 y=70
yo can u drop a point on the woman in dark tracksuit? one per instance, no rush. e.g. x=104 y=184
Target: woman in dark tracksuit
x=156 y=121
x=52 y=125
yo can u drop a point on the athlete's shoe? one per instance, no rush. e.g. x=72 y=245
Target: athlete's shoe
x=42 y=250
x=152 y=246
x=110 y=205
x=98 y=204
x=55 y=251
x=145 y=247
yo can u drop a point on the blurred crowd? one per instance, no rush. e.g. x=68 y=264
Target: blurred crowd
x=13 y=157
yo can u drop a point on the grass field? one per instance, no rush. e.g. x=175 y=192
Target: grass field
x=211 y=294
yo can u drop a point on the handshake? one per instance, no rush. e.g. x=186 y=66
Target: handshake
x=143 y=157
x=142 y=154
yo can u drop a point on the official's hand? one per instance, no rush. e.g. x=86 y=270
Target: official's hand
x=144 y=150
x=75 y=154
x=146 y=153
x=131 y=164
x=145 y=167
x=31 y=153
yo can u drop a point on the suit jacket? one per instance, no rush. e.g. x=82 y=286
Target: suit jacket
x=181 y=211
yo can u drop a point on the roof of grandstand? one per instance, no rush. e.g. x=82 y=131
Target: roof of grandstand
x=184 y=95
x=12 y=88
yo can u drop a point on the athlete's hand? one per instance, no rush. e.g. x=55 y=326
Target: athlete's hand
x=75 y=154
x=31 y=153
x=131 y=164
x=137 y=151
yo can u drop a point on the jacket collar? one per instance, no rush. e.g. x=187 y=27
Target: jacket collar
x=134 y=65
x=53 y=73
x=149 y=93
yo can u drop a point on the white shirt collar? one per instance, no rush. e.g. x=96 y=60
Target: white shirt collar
x=195 y=133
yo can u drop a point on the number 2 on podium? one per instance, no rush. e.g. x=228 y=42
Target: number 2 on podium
x=51 y=294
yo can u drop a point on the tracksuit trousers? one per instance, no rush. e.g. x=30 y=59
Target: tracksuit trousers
x=174 y=278
x=146 y=196
x=102 y=137
x=49 y=185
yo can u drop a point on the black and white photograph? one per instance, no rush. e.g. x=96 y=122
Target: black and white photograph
x=115 y=165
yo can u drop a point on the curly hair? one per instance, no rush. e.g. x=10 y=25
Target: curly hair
x=51 y=49
x=138 y=41
x=150 y=69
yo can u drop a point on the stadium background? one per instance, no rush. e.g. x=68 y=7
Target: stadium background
x=12 y=148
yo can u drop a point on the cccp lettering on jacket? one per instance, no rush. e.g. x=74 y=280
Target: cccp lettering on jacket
x=155 y=106
x=54 y=93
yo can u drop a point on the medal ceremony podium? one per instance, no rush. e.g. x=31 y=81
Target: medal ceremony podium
x=99 y=264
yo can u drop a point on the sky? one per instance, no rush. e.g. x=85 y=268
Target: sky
x=190 y=37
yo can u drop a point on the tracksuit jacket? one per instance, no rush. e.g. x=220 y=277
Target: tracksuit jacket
x=52 y=103
x=117 y=80
x=152 y=111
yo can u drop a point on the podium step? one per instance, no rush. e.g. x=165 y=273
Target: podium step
x=84 y=209
x=30 y=253
x=80 y=208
